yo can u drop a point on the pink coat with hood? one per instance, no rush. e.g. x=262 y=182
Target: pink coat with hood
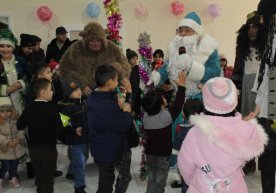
x=211 y=157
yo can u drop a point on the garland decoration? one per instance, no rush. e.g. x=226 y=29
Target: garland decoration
x=145 y=51
x=114 y=23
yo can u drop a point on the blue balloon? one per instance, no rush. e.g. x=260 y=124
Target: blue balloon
x=93 y=10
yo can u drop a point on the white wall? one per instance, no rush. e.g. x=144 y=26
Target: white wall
x=160 y=24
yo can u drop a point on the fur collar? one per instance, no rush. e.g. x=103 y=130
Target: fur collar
x=225 y=134
x=207 y=45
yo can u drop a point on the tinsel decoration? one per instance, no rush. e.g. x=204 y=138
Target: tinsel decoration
x=143 y=166
x=145 y=51
x=114 y=21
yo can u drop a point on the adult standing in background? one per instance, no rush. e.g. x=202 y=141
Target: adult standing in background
x=25 y=50
x=14 y=71
x=58 y=45
x=249 y=47
x=265 y=85
x=248 y=58
x=38 y=55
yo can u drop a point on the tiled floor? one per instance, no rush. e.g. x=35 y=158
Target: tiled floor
x=62 y=185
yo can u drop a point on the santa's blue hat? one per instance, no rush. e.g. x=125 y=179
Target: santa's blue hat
x=192 y=21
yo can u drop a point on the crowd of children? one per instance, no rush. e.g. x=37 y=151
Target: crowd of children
x=38 y=107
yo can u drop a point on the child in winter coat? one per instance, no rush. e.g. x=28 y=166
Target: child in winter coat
x=77 y=135
x=158 y=126
x=109 y=119
x=214 y=150
x=11 y=142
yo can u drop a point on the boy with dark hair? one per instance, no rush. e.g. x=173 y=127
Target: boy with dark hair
x=109 y=118
x=158 y=125
x=76 y=136
x=44 y=125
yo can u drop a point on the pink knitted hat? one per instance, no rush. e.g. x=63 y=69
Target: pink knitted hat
x=219 y=95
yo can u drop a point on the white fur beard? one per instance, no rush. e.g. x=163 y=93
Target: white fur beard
x=190 y=43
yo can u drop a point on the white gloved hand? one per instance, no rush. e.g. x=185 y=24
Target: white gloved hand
x=184 y=62
x=154 y=78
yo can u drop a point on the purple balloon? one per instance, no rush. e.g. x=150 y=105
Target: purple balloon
x=214 y=10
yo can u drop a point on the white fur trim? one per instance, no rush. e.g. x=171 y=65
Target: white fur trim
x=191 y=24
x=233 y=143
x=23 y=85
x=5 y=101
x=4 y=90
x=196 y=71
x=6 y=41
x=219 y=111
x=206 y=46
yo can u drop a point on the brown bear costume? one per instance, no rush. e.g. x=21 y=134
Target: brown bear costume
x=80 y=63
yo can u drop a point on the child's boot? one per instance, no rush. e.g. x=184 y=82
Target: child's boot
x=14 y=182
x=80 y=190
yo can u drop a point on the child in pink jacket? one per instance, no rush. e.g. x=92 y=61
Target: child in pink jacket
x=211 y=157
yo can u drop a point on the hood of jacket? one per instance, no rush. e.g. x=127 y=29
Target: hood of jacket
x=241 y=139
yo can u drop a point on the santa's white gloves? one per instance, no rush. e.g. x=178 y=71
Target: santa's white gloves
x=154 y=78
x=184 y=63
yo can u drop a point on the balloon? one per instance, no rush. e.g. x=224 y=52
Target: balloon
x=177 y=7
x=93 y=10
x=214 y=10
x=44 y=13
x=140 y=11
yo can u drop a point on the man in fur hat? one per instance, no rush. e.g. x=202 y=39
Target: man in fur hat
x=82 y=59
x=265 y=84
x=195 y=52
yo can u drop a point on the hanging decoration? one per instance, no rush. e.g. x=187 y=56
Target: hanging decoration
x=114 y=23
x=44 y=13
x=177 y=7
x=140 y=11
x=214 y=10
x=93 y=10
x=145 y=51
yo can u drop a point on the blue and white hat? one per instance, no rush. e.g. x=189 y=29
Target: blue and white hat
x=192 y=21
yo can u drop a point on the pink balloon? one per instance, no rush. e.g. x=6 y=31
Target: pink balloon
x=140 y=10
x=177 y=7
x=214 y=10
x=44 y=13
